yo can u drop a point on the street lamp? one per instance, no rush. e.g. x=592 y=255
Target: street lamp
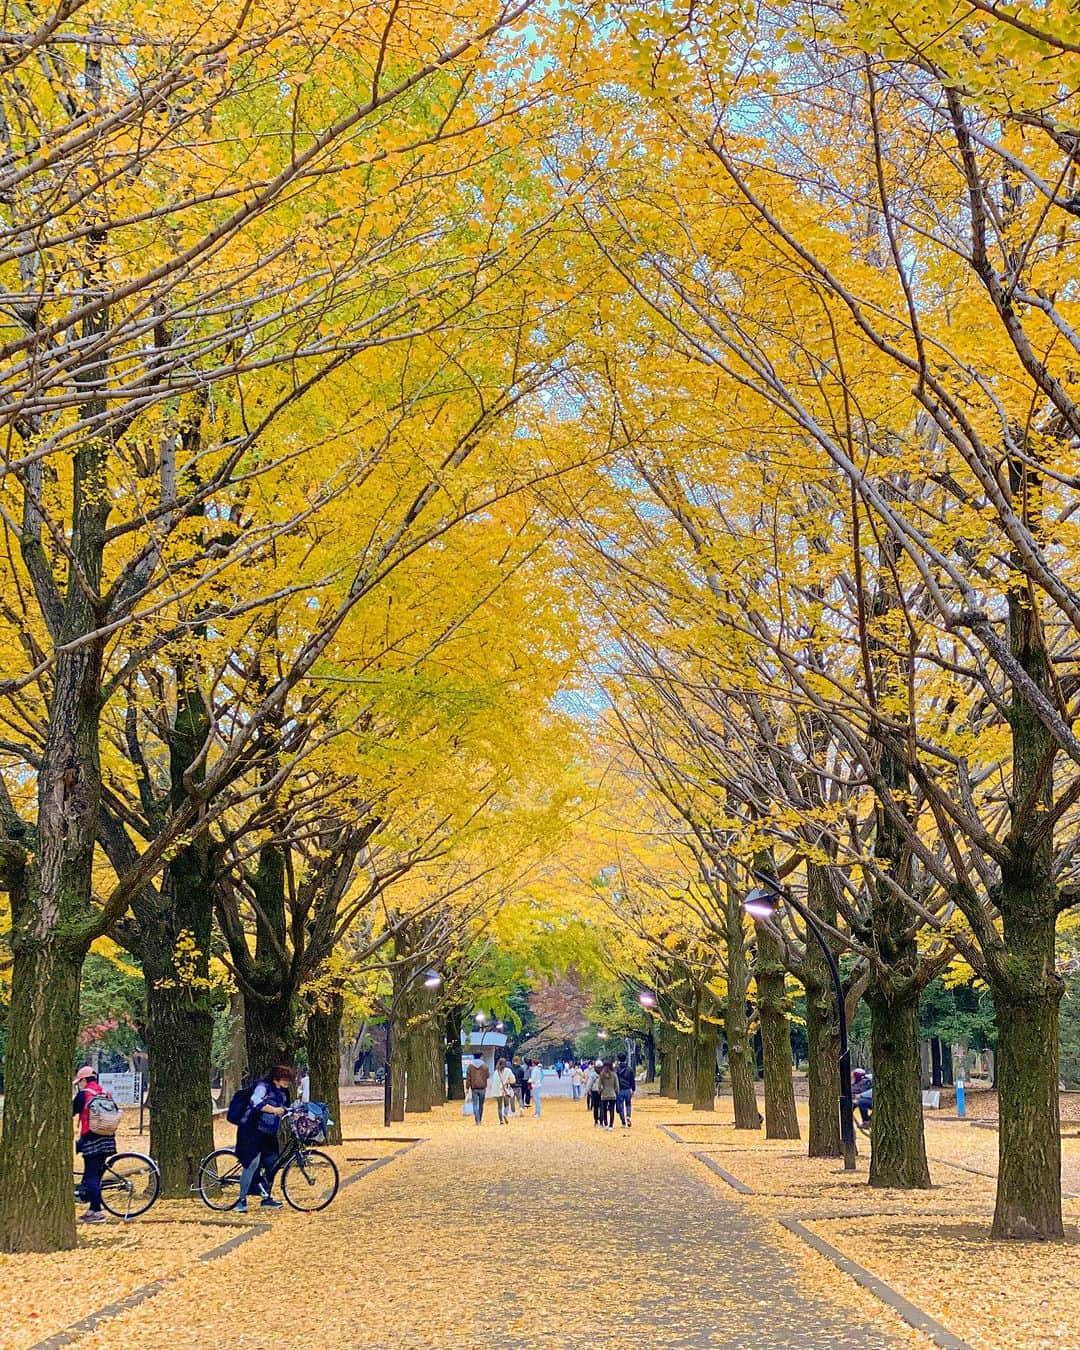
x=431 y=980
x=763 y=903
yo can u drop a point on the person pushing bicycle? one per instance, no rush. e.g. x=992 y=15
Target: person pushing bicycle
x=94 y=1148
x=256 y=1135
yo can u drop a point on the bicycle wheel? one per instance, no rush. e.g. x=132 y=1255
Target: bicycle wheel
x=130 y=1184
x=219 y=1179
x=310 y=1180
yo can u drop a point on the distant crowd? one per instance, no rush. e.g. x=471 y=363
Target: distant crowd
x=607 y=1085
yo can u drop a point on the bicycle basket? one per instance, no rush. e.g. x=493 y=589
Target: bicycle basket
x=310 y=1121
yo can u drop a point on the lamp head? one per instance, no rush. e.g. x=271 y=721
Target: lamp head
x=647 y=998
x=760 y=903
x=601 y=1035
x=432 y=979
x=481 y=1018
x=499 y=1026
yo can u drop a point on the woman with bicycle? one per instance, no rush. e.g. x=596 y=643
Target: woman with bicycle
x=256 y=1135
x=94 y=1148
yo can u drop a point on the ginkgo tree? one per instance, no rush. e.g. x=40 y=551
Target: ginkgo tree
x=178 y=284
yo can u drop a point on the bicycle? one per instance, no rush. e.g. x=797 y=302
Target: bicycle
x=130 y=1184
x=309 y=1177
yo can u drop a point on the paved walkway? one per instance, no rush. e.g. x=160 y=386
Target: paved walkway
x=543 y=1233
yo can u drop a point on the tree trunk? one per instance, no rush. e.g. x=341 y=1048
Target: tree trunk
x=323 y=1045
x=235 y=1068
x=1026 y=987
x=37 y=1213
x=741 y=1066
x=421 y=1092
x=823 y=1071
x=455 y=1078
x=946 y=1064
x=822 y=1027
x=174 y=942
x=179 y=1035
x=268 y=1035
x=935 y=1062
x=669 y=1075
x=1029 y=1138
x=781 y=1118
x=705 y=1041
x=650 y=1053
x=898 y=1146
x=684 y=1068
x=52 y=913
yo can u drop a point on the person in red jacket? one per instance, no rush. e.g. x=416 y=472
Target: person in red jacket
x=95 y=1148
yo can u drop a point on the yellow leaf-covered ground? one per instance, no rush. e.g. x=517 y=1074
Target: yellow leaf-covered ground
x=932 y=1247
x=541 y=1233
x=551 y=1233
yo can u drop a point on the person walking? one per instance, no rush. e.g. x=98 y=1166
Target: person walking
x=627 y=1084
x=509 y=1079
x=536 y=1082
x=559 y=1066
x=93 y=1148
x=256 y=1135
x=476 y=1081
x=607 y=1084
x=521 y=1072
x=577 y=1078
x=500 y=1087
x=592 y=1091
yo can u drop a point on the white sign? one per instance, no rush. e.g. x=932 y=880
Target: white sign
x=932 y=1099
x=124 y=1088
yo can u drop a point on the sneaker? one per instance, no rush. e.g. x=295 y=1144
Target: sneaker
x=271 y=1203
x=240 y=1207
x=93 y=1216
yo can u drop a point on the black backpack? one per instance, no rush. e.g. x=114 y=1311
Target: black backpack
x=239 y=1104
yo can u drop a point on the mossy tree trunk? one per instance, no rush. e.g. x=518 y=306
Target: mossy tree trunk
x=179 y=1036
x=36 y=1209
x=706 y=1036
x=669 y=1074
x=170 y=933
x=235 y=1068
x=898 y=1148
x=53 y=913
x=742 y=1069
x=324 y=1058
x=455 y=1078
x=684 y=1067
x=781 y=1118
x=822 y=1028
x=1023 y=980
x=424 y=1067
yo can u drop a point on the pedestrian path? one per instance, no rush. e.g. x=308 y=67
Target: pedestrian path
x=541 y=1233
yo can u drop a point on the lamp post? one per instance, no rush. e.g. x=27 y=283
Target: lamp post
x=432 y=980
x=763 y=904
